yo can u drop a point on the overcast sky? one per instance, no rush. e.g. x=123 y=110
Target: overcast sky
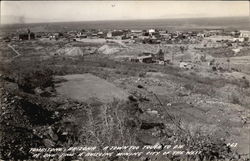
x=51 y=11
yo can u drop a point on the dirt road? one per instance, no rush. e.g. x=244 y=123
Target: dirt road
x=13 y=49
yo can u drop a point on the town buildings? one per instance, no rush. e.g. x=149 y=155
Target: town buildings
x=245 y=34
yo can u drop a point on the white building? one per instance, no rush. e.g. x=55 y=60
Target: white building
x=136 y=31
x=240 y=39
x=151 y=30
x=245 y=34
x=185 y=65
x=109 y=34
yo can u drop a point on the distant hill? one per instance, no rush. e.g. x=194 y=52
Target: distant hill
x=8 y=19
x=168 y=24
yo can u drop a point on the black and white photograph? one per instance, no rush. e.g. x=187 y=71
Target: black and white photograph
x=125 y=80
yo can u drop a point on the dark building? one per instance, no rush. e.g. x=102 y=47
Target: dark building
x=27 y=36
x=115 y=33
x=145 y=59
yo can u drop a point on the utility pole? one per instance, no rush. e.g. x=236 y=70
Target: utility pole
x=172 y=57
x=228 y=63
x=28 y=34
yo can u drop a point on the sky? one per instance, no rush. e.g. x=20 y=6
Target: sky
x=59 y=11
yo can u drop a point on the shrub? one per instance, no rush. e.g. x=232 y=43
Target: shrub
x=233 y=98
x=118 y=72
x=28 y=81
x=189 y=86
x=142 y=74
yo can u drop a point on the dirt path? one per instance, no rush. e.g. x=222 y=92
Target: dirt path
x=13 y=49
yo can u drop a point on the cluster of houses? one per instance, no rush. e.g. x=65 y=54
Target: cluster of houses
x=150 y=36
x=158 y=58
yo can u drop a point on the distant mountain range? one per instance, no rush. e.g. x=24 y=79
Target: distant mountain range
x=240 y=23
x=9 y=19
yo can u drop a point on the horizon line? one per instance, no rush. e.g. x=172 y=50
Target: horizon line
x=207 y=17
